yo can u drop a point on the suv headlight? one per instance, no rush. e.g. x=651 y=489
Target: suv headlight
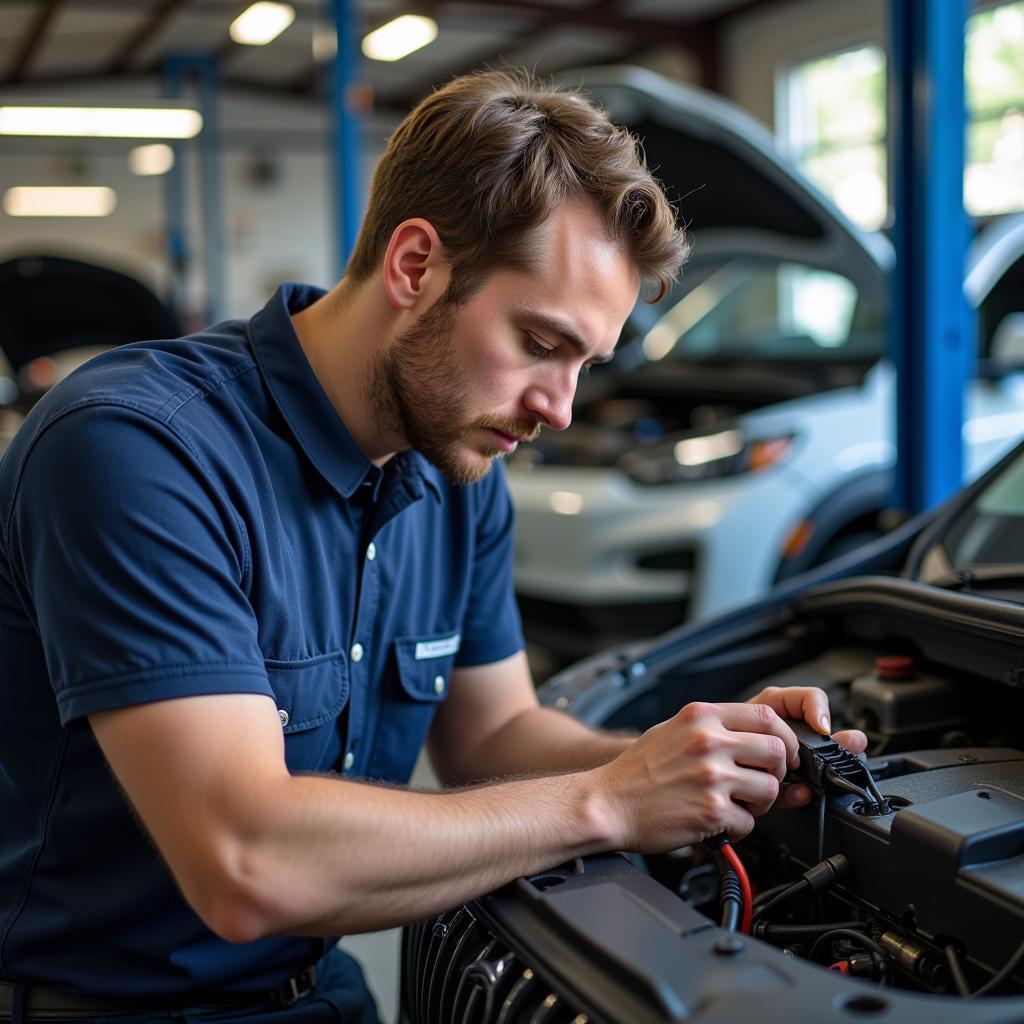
x=702 y=456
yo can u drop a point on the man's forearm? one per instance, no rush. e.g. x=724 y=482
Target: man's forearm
x=341 y=857
x=258 y=851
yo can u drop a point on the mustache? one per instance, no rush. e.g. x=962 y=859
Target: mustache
x=526 y=430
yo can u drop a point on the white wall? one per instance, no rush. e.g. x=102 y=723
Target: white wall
x=756 y=46
x=273 y=230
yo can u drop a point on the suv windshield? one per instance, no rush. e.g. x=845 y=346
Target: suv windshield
x=766 y=310
x=991 y=530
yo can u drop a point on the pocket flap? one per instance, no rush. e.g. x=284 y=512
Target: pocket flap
x=311 y=691
x=425 y=664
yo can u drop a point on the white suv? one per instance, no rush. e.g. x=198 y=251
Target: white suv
x=745 y=432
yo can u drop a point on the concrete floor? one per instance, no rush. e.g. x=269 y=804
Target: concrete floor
x=378 y=952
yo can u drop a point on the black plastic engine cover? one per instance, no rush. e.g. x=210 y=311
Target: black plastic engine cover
x=949 y=859
x=600 y=943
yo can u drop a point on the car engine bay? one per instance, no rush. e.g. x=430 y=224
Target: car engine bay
x=932 y=874
x=903 y=900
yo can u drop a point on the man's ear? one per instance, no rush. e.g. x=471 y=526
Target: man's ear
x=416 y=273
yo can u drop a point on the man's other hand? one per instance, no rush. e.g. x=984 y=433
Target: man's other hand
x=810 y=704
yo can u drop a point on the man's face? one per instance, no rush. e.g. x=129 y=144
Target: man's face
x=468 y=382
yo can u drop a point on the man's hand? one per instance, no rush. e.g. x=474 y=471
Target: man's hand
x=711 y=768
x=810 y=704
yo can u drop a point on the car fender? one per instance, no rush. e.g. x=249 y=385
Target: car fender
x=857 y=497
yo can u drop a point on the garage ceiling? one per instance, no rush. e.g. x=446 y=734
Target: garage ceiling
x=86 y=42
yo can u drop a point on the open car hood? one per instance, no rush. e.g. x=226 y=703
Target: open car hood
x=740 y=195
x=49 y=304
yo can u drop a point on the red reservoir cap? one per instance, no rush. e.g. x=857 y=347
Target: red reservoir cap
x=894 y=666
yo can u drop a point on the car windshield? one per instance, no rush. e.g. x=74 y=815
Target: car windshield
x=765 y=310
x=990 y=532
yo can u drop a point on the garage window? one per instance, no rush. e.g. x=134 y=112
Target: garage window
x=994 y=175
x=830 y=113
x=831 y=118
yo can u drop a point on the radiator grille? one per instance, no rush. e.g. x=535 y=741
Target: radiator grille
x=455 y=971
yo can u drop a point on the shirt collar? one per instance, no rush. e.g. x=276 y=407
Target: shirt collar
x=304 y=404
x=415 y=467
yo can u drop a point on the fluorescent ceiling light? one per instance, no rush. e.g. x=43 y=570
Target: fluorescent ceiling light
x=261 y=23
x=32 y=201
x=398 y=38
x=101 y=122
x=155 y=159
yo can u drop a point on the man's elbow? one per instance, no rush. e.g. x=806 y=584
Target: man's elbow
x=238 y=901
x=236 y=921
x=253 y=898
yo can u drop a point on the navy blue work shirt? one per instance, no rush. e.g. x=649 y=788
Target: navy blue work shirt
x=191 y=517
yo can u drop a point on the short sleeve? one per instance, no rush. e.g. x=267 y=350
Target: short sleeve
x=131 y=564
x=492 y=629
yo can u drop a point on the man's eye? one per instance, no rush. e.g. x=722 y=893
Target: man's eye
x=535 y=348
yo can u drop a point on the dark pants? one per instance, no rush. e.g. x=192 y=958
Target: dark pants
x=340 y=997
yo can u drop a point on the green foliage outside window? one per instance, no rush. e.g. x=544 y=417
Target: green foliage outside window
x=832 y=118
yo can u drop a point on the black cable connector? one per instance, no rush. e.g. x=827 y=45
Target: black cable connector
x=731 y=897
x=728 y=860
x=814 y=879
x=828 y=871
x=824 y=765
x=824 y=942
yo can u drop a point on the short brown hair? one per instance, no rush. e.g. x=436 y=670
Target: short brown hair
x=490 y=156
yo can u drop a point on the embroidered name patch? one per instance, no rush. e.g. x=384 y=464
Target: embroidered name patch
x=438 y=648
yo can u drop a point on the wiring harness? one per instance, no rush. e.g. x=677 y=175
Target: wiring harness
x=736 y=896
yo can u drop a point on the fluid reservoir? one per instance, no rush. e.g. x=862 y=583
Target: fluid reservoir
x=901 y=707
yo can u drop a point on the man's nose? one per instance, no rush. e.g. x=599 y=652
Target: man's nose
x=551 y=405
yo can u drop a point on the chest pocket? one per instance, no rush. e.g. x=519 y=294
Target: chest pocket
x=310 y=695
x=422 y=674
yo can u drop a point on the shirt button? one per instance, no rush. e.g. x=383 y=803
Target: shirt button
x=283 y=715
x=357 y=652
x=439 y=684
x=349 y=760
x=371 y=551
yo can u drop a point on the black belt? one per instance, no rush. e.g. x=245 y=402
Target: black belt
x=41 y=1003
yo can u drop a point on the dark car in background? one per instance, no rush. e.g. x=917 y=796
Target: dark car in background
x=57 y=312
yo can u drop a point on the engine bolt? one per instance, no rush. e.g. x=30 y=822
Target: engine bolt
x=728 y=945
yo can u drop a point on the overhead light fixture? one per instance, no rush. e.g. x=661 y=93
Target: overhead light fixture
x=261 y=23
x=399 y=38
x=149 y=160
x=51 y=201
x=156 y=122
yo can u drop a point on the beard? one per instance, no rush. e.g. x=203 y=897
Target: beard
x=418 y=391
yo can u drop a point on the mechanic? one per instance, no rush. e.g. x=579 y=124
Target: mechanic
x=244 y=573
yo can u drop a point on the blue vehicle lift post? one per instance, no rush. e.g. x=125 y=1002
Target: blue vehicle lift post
x=931 y=327
x=176 y=72
x=345 y=124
